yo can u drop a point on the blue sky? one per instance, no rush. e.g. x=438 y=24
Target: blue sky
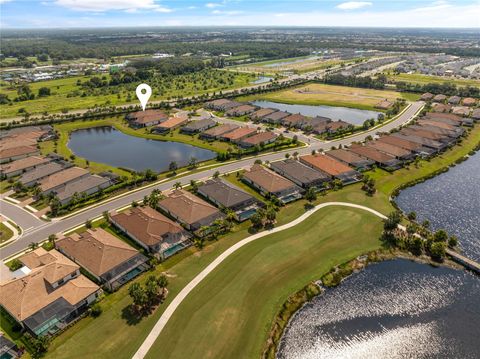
x=108 y=13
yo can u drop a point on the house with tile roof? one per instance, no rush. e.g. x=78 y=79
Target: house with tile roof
x=109 y=259
x=51 y=295
x=332 y=167
x=152 y=230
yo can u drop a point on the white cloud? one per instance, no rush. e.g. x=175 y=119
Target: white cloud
x=436 y=5
x=106 y=5
x=212 y=5
x=228 y=13
x=4 y=1
x=353 y=5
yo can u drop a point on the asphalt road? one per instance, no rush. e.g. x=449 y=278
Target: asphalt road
x=44 y=229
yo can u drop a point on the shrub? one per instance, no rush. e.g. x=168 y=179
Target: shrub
x=96 y=310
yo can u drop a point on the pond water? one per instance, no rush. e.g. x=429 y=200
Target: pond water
x=289 y=62
x=261 y=80
x=394 y=309
x=450 y=201
x=350 y=115
x=110 y=146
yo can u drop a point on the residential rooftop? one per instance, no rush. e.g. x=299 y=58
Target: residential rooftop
x=326 y=164
x=59 y=178
x=267 y=179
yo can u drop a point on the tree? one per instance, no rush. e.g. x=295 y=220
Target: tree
x=271 y=214
x=177 y=185
x=137 y=293
x=392 y=221
x=105 y=215
x=173 y=167
x=55 y=205
x=440 y=236
x=88 y=223
x=426 y=224
x=151 y=289
x=216 y=174
x=437 y=251
x=412 y=215
x=311 y=195
x=192 y=163
x=51 y=239
x=33 y=245
x=43 y=92
x=194 y=185
x=163 y=283
x=452 y=241
x=257 y=220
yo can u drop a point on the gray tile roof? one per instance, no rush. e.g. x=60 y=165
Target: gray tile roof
x=224 y=193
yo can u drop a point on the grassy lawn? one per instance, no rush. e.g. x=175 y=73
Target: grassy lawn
x=234 y=306
x=329 y=95
x=240 y=299
x=425 y=79
x=5 y=233
x=66 y=94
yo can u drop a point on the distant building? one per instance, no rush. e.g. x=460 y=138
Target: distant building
x=241 y=110
x=259 y=139
x=426 y=96
x=275 y=117
x=351 y=159
x=170 y=124
x=469 y=101
x=239 y=134
x=332 y=167
x=439 y=98
x=22 y=165
x=300 y=174
x=454 y=100
x=198 y=126
x=218 y=131
x=259 y=114
x=16 y=153
x=146 y=118
x=382 y=159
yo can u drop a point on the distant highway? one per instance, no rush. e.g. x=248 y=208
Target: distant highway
x=40 y=231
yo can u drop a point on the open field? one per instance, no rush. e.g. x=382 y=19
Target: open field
x=237 y=301
x=330 y=95
x=294 y=64
x=114 y=334
x=425 y=79
x=66 y=94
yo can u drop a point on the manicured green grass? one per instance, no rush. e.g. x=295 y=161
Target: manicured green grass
x=5 y=233
x=235 y=304
x=425 y=79
x=329 y=95
x=329 y=237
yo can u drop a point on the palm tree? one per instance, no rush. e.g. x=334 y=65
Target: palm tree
x=216 y=174
x=33 y=245
x=51 y=239
x=173 y=166
x=194 y=185
x=151 y=289
x=311 y=195
x=177 y=185
x=162 y=282
x=137 y=293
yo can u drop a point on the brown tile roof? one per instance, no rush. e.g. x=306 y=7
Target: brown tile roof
x=267 y=179
x=426 y=96
x=148 y=116
x=17 y=151
x=220 y=130
x=240 y=133
x=440 y=107
x=262 y=112
x=403 y=143
x=96 y=250
x=371 y=153
x=469 y=101
x=23 y=163
x=346 y=156
x=16 y=141
x=384 y=105
x=25 y=296
x=422 y=133
x=389 y=149
x=440 y=98
x=172 y=122
x=187 y=207
x=337 y=125
x=61 y=177
x=294 y=119
x=438 y=124
x=146 y=224
x=241 y=109
x=326 y=164
x=259 y=138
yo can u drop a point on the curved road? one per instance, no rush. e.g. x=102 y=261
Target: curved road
x=43 y=230
x=163 y=320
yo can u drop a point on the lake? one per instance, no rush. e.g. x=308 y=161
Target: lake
x=261 y=80
x=393 y=309
x=450 y=201
x=350 y=115
x=110 y=146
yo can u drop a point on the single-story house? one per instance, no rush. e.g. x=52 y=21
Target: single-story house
x=331 y=167
x=107 y=258
x=36 y=133
x=190 y=210
x=382 y=159
x=384 y=105
x=16 y=153
x=441 y=107
x=436 y=146
x=57 y=180
x=84 y=185
x=445 y=124
x=454 y=100
x=476 y=114
x=300 y=174
x=260 y=114
x=275 y=117
x=422 y=132
x=351 y=159
x=454 y=132
x=461 y=110
x=241 y=110
x=198 y=126
x=170 y=124
x=152 y=231
x=317 y=125
x=33 y=176
x=50 y=296
x=295 y=120
x=469 y=101
x=146 y=118
x=268 y=182
x=334 y=126
x=20 y=166
x=439 y=98
x=415 y=147
x=239 y=134
x=426 y=96
x=221 y=104
x=226 y=195
x=399 y=153
x=218 y=131
x=258 y=139
x=450 y=116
